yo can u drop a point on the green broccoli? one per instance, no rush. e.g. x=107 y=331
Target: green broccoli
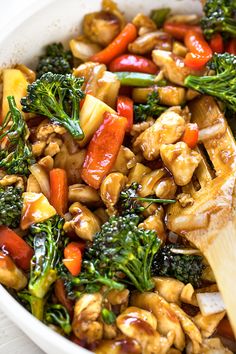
x=10 y=206
x=56 y=97
x=131 y=203
x=48 y=242
x=219 y=17
x=16 y=156
x=122 y=247
x=222 y=84
x=159 y=16
x=150 y=109
x=186 y=268
x=55 y=60
x=58 y=315
x=32 y=303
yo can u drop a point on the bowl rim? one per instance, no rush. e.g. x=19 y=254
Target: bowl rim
x=14 y=310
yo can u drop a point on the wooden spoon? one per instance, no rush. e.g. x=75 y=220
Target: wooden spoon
x=210 y=223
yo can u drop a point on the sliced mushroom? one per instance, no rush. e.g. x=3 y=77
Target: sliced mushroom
x=125 y=160
x=149 y=181
x=167 y=320
x=169 y=288
x=166 y=188
x=155 y=222
x=84 y=223
x=111 y=187
x=84 y=194
x=147 y=42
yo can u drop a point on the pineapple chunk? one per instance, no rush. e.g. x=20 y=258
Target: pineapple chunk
x=36 y=208
x=14 y=84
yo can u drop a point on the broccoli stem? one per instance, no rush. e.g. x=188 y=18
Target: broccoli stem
x=138 y=79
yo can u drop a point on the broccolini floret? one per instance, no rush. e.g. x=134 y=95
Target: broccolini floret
x=131 y=203
x=10 y=206
x=56 y=97
x=150 y=109
x=222 y=84
x=186 y=268
x=122 y=247
x=58 y=315
x=219 y=16
x=55 y=60
x=15 y=153
x=48 y=241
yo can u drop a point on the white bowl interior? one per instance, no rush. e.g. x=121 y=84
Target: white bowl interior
x=22 y=41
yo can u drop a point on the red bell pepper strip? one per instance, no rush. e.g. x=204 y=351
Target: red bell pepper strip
x=18 y=249
x=179 y=30
x=60 y=293
x=73 y=258
x=118 y=46
x=217 y=43
x=58 y=190
x=103 y=149
x=133 y=63
x=231 y=46
x=190 y=136
x=125 y=108
x=200 y=51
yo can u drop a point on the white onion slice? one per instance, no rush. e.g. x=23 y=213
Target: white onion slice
x=42 y=177
x=210 y=303
x=212 y=131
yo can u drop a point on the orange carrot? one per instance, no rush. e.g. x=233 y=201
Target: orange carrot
x=118 y=46
x=59 y=190
x=103 y=149
x=73 y=258
x=190 y=136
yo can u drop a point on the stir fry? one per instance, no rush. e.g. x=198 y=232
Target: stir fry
x=116 y=157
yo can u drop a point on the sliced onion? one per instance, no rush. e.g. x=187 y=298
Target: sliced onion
x=42 y=178
x=210 y=303
x=212 y=131
x=82 y=49
x=189 y=222
x=184 y=251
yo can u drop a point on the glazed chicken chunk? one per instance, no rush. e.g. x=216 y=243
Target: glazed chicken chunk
x=167 y=129
x=181 y=161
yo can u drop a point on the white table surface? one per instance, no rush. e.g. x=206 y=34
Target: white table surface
x=12 y=339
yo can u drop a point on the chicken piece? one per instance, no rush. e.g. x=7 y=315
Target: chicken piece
x=91 y=72
x=84 y=223
x=118 y=346
x=170 y=289
x=167 y=129
x=72 y=163
x=141 y=325
x=84 y=194
x=103 y=26
x=85 y=324
x=110 y=189
x=174 y=351
x=208 y=324
x=141 y=127
x=10 y=275
x=102 y=215
x=155 y=222
x=179 y=49
x=166 y=188
x=125 y=161
x=109 y=331
x=47 y=162
x=185 y=199
x=189 y=327
x=167 y=320
x=209 y=346
x=117 y=297
x=181 y=161
x=147 y=42
x=9 y=180
x=173 y=66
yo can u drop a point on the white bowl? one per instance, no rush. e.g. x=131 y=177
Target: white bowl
x=21 y=41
